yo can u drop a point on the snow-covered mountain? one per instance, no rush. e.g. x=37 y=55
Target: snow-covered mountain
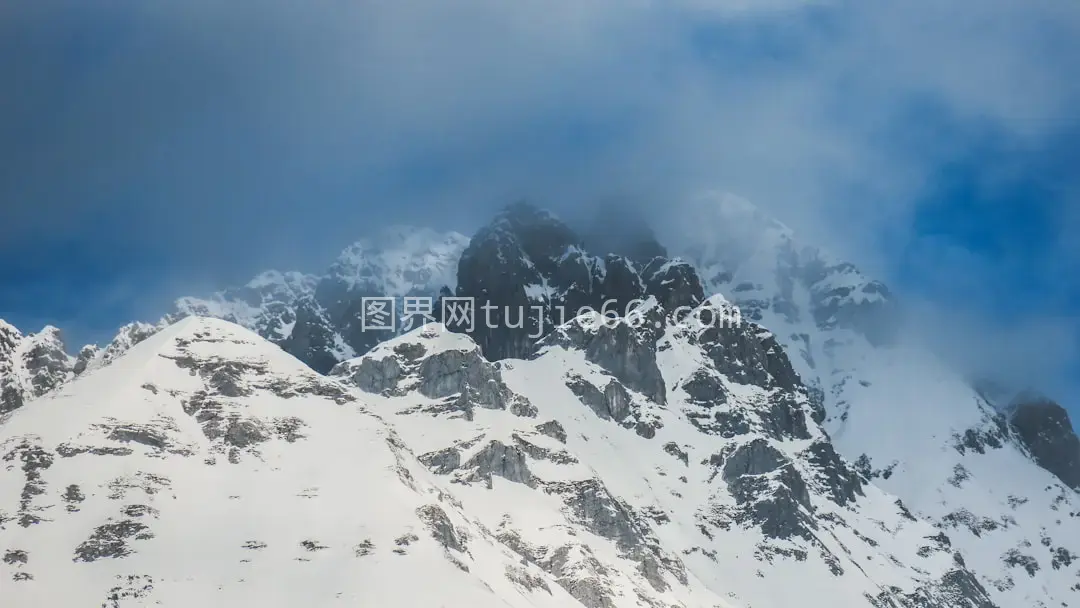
x=33 y=365
x=206 y=467
x=317 y=318
x=722 y=485
x=998 y=477
x=796 y=453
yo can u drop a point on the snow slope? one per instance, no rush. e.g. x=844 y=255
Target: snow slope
x=628 y=501
x=913 y=424
x=206 y=467
x=809 y=458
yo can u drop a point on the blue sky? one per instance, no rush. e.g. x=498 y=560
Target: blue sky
x=151 y=150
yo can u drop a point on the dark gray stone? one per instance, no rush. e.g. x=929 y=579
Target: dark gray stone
x=754 y=458
x=442 y=529
x=841 y=482
x=1046 y=431
x=111 y=540
x=496 y=458
x=552 y=429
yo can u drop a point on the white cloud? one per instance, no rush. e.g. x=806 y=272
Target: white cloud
x=228 y=112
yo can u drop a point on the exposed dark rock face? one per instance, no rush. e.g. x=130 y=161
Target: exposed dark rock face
x=532 y=273
x=83 y=359
x=495 y=459
x=957 y=589
x=452 y=372
x=749 y=354
x=442 y=529
x=442 y=462
x=961 y=588
x=744 y=353
x=131 y=587
x=538 y=453
x=461 y=377
x=31 y=365
x=111 y=540
x=628 y=353
x=675 y=284
x=769 y=490
x=129 y=336
x=48 y=365
x=839 y=479
x=1045 y=430
x=314 y=340
x=593 y=506
x=374 y=375
x=676 y=451
x=523 y=248
x=552 y=429
x=613 y=403
x=508 y=462
x=34 y=461
x=10 y=399
x=754 y=458
x=15 y=556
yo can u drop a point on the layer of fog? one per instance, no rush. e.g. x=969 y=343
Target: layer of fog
x=227 y=137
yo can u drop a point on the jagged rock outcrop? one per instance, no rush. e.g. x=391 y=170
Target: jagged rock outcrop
x=915 y=426
x=670 y=453
x=127 y=337
x=449 y=370
x=207 y=424
x=627 y=352
x=1047 y=433
x=532 y=273
x=320 y=318
x=31 y=365
x=313 y=339
x=772 y=488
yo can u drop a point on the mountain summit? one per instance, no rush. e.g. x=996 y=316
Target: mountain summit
x=732 y=419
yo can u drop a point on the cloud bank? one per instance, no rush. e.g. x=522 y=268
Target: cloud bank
x=210 y=139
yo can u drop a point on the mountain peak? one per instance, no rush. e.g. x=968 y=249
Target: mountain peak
x=639 y=457
x=533 y=273
x=206 y=424
x=31 y=365
x=318 y=317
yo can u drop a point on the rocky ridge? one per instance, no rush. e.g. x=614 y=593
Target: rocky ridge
x=998 y=474
x=317 y=318
x=33 y=365
x=205 y=466
x=804 y=435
